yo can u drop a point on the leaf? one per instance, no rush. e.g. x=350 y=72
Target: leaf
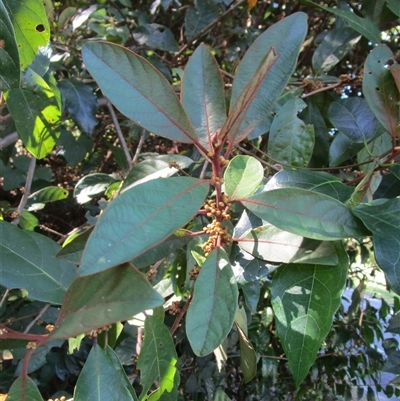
x=138 y=90
x=137 y=220
x=92 y=185
x=306 y=213
x=74 y=148
x=80 y=103
x=274 y=245
x=392 y=364
x=248 y=358
x=394 y=324
x=393 y=5
x=335 y=45
x=31 y=27
x=9 y=54
x=38 y=199
x=28 y=221
x=156 y=36
x=24 y=389
x=286 y=37
x=72 y=251
x=342 y=148
x=100 y=379
x=220 y=395
x=157 y=361
x=26 y=255
x=212 y=311
x=104 y=298
x=380 y=90
x=203 y=95
x=304 y=299
x=354 y=118
x=291 y=141
x=387 y=256
x=242 y=176
x=395 y=70
x=195 y=20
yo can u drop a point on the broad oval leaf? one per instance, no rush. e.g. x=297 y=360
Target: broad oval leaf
x=104 y=298
x=197 y=19
x=380 y=90
x=306 y=213
x=242 y=176
x=212 y=311
x=140 y=218
x=26 y=254
x=203 y=95
x=304 y=299
x=156 y=36
x=92 y=185
x=354 y=118
x=138 y=90
x=24 y=389
x=38 y=199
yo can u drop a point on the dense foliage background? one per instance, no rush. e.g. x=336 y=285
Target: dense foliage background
x=66 y=153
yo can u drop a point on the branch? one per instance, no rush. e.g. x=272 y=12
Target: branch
x=8 y=140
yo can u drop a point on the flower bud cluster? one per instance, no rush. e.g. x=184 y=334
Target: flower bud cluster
x=215 y=230
x=96 y=332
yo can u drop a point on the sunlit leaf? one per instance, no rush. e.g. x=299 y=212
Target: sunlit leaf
x=38 y=199
x=92 y=185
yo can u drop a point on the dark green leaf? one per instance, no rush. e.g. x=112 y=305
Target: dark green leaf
x=220 y=395
x=156 y=36
x=141 y=218
x=394 y=324
x=74 y=148
x=73 y=249
x=354 y=118
x=203 y=95
x=195 y=20
x=394 y=6
x=38 y=199
x=104 y=298
x=80 y=102
x=304 y=299
x=290 y=140
x=392 y=365
x=212 y=311
x=92 y=185
x=28 y=254
x=341 y=149
x=305 y=213
x=372 y=150
x=157 y=361
x=24 y=389
x=138 y=90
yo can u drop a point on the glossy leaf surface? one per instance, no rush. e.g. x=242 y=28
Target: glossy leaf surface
x=104 y=298
x=212 y=311
x=34 y=256
x=138 y=90
x=38 y=199
x=203 y=95
x=92 y=185
x=24 y=389
x=305 y=213
x=139 y=219
x=304 y=299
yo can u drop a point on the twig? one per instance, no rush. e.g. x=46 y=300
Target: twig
x=28 y=184
x=44 y=228
x=39 y=315
x=180 y=314
x=245 y=151
x=139 y=147
x=204 y=169
x=8 y=140
x=4 y=297
x=325 y=88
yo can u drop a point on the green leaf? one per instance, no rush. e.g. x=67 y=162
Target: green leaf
x=28 y=221
x=138 y=90
x=306 y=213
x=342 y=148
x=335 y=45
x=157 y=361
x=242 y=176
x=156 y=36
x=31 y=27
x=291 y=141
x=195 y=20
x=286 y=38
x=38 y=199
x=24 y=389
x=80 y=102
x=393 y=5
x=380 y=90
x=203 y=95
x=104 y=298
x=101 y=379
x=137 y=220
x=392 y=364
x=387 y=256
x=92 y=185
x=212 y=311
x=304 y=299
x=381 y=216
x=25 y=255
x=9 y=54
x=73 y=249
x=274 y=245
x=354 y=118
x=248 y=358
x=75 y=148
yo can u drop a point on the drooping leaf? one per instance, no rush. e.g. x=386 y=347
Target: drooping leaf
x=38 y=199
x=138 y=90
x=380 y=90
x=24 y=389
x=212 y=311
x=9 y=55
x=304 y=299
x=242 y=176
x=157 y=361
x=203 y=95
x=306 y=213
x=335 y=45
x=291 y=141
x=387 y=256
x=104 y=298
x=92 y=185
x=197 y=19
x=156 y=36
x=34 y=256
x=248 y=358
x=274 y=245
x=354 y=118
x=80 y=102
x=101 y=380
x=31 y=27
x=140 y=218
